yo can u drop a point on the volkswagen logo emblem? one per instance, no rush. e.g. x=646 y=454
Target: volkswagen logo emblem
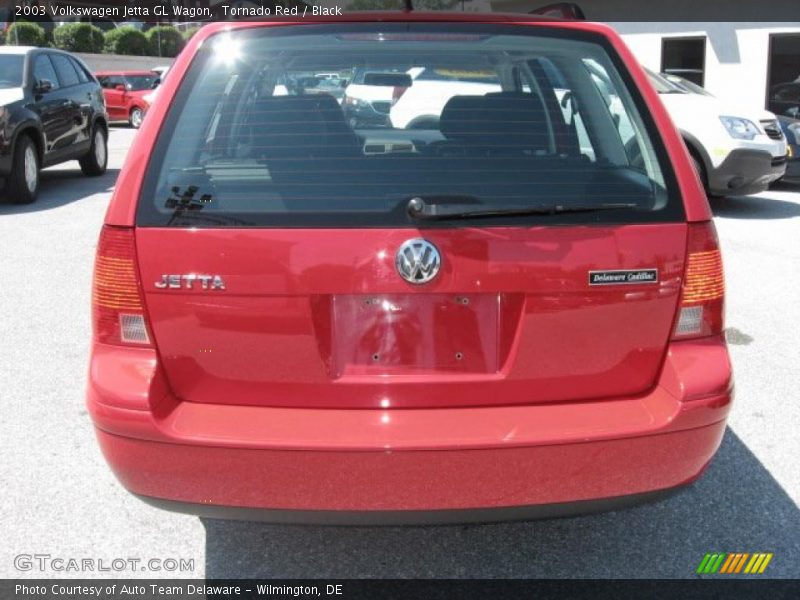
x=417 y=261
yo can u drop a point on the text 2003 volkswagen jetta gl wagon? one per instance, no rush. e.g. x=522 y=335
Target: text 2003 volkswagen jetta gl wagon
x=510 y=306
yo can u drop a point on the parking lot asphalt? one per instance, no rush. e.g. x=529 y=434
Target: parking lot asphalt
x=58 y=497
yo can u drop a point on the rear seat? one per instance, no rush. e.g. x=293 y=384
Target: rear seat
x=480 y=131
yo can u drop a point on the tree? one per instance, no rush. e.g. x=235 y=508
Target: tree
x=79 y=37
x=22 y=33
x=164 y=40
x=126 y=40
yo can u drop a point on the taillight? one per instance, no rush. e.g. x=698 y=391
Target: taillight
x=117 y=302
x=703 y=293
x=397 y=93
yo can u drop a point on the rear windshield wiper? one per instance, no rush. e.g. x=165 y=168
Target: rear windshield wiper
x=419 y=208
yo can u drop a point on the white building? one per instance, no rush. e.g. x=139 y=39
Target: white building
x=739 y=60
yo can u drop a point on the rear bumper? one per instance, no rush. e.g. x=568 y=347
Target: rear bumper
x=411 y=517
x=317 y=463
x=745 y=171
x=410 y=487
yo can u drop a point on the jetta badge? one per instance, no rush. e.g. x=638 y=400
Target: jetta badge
x=187 y=282
x=418 y=261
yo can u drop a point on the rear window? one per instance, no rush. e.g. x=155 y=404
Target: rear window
x=83 y=74
x=137 y=83
x=66 y=71
x=482 y=114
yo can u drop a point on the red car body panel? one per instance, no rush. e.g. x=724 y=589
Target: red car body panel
x=119 y=104
x=409 y=481
x=265 y=395
x=320 y=317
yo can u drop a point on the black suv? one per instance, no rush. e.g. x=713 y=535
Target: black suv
x=51 y=111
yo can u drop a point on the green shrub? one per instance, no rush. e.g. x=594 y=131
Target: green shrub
x=79 y=37
x=26 y=34
x=188 y=33
x=126 y=40
x=164 y=40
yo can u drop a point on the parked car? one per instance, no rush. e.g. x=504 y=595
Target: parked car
x=370 y=94
x=304 y=83
x=150 y=97
x=688 y=85
x=160 y=72
x=125 y=93
x=51 y=111
x=784 y=99
x=735 y=151
x=489 y=320
x=330 y=86
x=791 y=130
x=421 y=104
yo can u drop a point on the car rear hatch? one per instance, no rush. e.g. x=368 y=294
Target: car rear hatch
x=283 y=266
x=322 y=318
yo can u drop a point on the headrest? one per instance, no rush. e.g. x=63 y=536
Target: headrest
x=326 y=102
x=498 y=120
x=288 y=114
x=291 y=126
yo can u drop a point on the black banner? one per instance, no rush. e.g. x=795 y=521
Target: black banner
x=182 y=11
x=246 y=589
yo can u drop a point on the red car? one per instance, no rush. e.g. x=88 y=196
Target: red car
x=515 y=311
x=124 y=92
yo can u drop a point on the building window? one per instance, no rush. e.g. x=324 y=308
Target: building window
x=685 y=57
x=783 y=81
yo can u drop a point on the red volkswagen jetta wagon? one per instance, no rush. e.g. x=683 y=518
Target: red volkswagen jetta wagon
x=503 y=299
